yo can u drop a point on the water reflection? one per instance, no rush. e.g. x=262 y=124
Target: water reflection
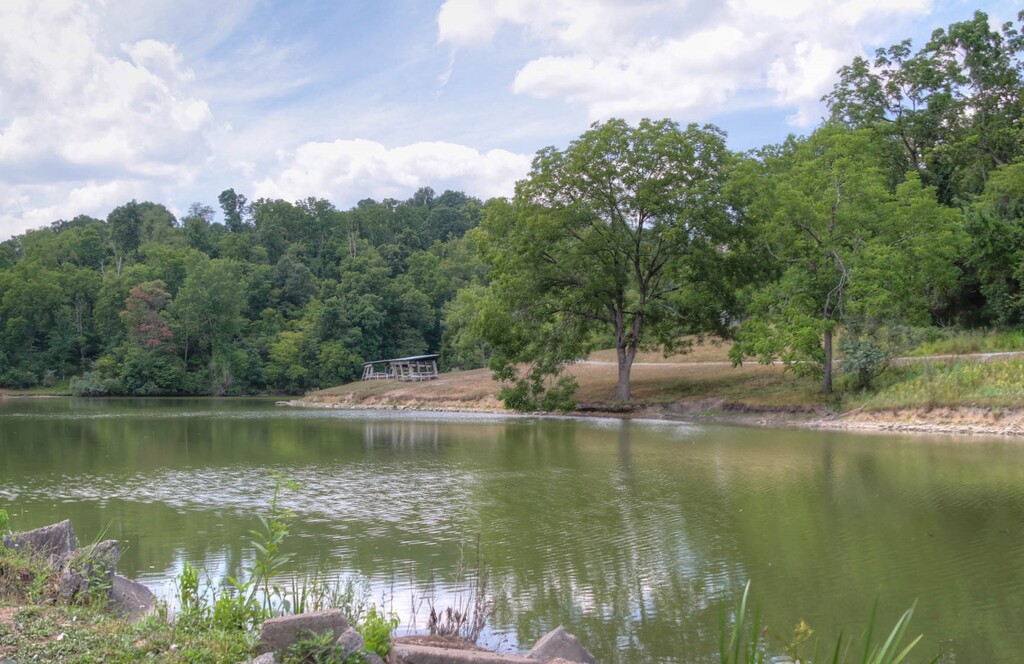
x=629 y=533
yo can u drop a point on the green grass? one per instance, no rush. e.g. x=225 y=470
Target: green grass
x=35 y=628
x=962 y=383
x=962 y=342
x=86 y=635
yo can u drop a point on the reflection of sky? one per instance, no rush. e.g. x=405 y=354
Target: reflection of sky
x=628 y=532
x=566 y=522
x=409 y=600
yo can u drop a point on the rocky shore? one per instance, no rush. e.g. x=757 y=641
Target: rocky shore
x=87 y=576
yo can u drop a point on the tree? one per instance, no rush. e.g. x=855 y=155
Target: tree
x=952 y=108
x=846 y=247
x=995 y=222
x=147 y=361
x=605 y=237
x=235 y=210
x=143 y=316
x=125 y=224
x=207 y=311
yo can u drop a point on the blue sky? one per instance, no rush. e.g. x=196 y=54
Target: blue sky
x=175 y=100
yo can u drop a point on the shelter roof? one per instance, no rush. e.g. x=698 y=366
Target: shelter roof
x=411 y=358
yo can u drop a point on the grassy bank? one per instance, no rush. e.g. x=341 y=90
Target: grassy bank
x=36 y=627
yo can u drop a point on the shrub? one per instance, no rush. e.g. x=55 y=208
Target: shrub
x=376 y=629
x=93 y=384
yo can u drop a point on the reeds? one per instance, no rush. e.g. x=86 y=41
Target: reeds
x=743 y=642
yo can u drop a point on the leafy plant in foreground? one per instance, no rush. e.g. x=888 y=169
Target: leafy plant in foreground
x=238 y=607
x=376 y=630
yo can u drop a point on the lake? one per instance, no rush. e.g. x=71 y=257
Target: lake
x=630 y=533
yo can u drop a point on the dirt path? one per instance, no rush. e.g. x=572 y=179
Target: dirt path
x=980 y=357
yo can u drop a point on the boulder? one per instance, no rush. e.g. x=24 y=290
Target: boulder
x=407 y=653
x=281 y=632
x=131 y=600
x=350 y=642
x=265 y=658
x=54 y=541
x=560 y=643
x=89 y=572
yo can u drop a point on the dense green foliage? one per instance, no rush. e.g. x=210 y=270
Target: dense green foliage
x=850 y=250
x=904 y=208
x=622 y=235
x=281 y=297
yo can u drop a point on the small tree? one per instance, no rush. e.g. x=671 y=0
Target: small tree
x=846 y=247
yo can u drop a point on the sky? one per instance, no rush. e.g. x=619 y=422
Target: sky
x=173 y=101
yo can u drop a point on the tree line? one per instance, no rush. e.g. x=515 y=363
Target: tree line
x=280 y=297
x=902 y=209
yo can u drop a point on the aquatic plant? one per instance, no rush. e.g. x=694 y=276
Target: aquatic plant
x=743 y=642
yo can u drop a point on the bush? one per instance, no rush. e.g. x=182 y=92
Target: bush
x=867 y=352
x=376 y=629
x=540 y=391
x=93 y=384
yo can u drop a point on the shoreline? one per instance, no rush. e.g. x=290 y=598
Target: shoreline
x=963 y=421
x=946 y=421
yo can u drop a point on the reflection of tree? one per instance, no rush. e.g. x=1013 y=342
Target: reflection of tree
x=401 y=435
x=628 y=533
x=604 y=541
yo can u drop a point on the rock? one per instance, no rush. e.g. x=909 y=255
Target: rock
x=350 y=641
x=560 y=643
x=71 y=585
x=89 y=572
x=281 y=632
x=265 y=658
x=131 y=600
x=54 y=541
x=407 y=653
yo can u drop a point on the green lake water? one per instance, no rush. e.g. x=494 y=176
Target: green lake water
x=631 y=534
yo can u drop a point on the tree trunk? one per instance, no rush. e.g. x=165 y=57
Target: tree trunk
x=625 y=355
x=826 y=384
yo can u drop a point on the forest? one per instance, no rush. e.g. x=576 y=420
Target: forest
x=902 y=211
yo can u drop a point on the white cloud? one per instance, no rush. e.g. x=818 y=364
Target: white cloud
x=467 y=22
x=24 y=207
x=85 y=117
x=583 y=25
x=636 y=58
x=346 y=171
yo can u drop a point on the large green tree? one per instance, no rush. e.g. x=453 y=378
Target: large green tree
x=952 y=108
x=617 y=235
x=846 y=246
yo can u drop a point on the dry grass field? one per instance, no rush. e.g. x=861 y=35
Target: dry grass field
x=701 y=380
